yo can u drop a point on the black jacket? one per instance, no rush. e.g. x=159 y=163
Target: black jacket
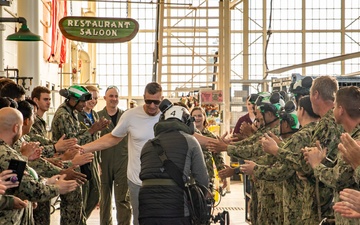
x=168 y=201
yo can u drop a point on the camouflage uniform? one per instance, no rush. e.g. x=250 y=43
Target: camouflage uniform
x=339 y=177
x=6 y=202
x=91 y=189
x=292 y=191
x=113 y=164
x=45 y=169
x=231 y=149
x=38 y=133
x=66 y=122
x=357 y=175
x=253 y=190
x=29 y=189
x=328 y=133
x=270 y=186
x=211 y=157
x=268 y=205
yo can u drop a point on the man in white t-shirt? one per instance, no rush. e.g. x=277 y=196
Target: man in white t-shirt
x=138 y=124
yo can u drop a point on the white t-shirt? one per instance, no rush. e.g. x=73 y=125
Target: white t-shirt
x=139 y=126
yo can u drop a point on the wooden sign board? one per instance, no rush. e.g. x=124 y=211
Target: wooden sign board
x=212 y=96
x=98 y=29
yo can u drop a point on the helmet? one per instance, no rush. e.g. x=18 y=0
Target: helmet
x=76 y=91
x=170 y=111
x=289 y=115
x=272 y=103
x=165 y=105
x=252 y=98
x=301 y=87
x=180 y=113
x=262 y=97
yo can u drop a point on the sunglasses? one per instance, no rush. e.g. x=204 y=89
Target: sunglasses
x=112 y=87
x=148 y=101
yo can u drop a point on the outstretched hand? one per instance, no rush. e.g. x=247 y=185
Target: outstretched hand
x=216 y=145
x=71 y=174
x=65 y=186
x=64 y=144
x=228 y=137
x=246 y=129
x=81 y=159
x=248 y=167
x=227 y=172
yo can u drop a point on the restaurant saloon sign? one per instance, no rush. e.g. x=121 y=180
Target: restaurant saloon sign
x=98 y=29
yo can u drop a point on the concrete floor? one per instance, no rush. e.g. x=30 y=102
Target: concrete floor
x=233 y=202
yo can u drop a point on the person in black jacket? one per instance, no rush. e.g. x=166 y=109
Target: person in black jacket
x=161 y=200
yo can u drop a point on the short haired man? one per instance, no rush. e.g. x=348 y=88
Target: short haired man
x=114 y=161
x=14 y=91
x=339 y=175
x=322 y=96
x=41 y=96
x=138 y=124
x=4 y=81
x=32 y=187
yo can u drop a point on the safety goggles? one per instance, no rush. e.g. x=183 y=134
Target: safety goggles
x=85 y=97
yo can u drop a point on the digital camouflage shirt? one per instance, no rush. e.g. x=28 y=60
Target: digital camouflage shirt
x=29 y=189
x=40 y=165
x=339 y=177
x=283 y=171
x=66 y=122
x=250 y=148
x=38 y=133
x=357 y=175
x=211 y=157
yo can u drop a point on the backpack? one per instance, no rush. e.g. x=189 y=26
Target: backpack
x=199 y=197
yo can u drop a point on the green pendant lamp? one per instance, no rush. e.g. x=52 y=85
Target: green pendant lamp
x=24 y=34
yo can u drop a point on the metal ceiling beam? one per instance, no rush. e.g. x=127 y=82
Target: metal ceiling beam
x=315 y=63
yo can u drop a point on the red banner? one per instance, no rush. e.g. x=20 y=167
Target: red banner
x=58 y=41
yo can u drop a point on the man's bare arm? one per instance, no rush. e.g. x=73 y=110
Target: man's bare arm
x=102 y=143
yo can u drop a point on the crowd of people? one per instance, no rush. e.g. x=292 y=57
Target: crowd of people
x=299 y=163
x=302 y=156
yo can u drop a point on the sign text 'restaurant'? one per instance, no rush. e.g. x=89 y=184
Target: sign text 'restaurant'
x=96 y=29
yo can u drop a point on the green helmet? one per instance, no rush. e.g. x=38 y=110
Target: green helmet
x=288 y=114
x=76 y=91
x=270 y=102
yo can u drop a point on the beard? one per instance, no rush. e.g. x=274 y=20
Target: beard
x=16 y=137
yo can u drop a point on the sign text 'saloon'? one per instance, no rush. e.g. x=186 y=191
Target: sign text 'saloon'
x=89 y=26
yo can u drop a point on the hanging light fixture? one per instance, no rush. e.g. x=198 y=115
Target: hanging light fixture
x=24 y=34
